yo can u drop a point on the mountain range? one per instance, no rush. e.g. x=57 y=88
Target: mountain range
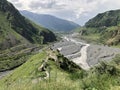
x=51 y=22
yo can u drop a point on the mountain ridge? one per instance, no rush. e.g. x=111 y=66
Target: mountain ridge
x=104 y=28
x=108 y=18
x=15 y=27
x=51 y=22
x=19 y=37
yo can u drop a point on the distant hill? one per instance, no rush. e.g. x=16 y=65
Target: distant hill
x=16 y=29
x=104 y=28
x=51 y=22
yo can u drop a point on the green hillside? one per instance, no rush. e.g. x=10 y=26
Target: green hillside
x=63 y=75
x=106 y=19
x=19 y=37
x=103 y=28
x=16 y=29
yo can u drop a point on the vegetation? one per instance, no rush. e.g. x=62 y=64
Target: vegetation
x=107 y=19
x=104 y=28
x=16 y=29
x=10 y=62
x=17 y=36
x=64 y=75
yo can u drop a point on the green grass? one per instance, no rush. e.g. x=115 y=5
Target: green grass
x=91 y=38
x=102 y=77
x=101 y=35
x=23 y=76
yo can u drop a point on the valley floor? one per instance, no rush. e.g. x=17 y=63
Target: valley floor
x=83 y=54
x=64 y=74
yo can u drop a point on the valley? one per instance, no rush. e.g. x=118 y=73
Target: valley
x=83 y=54
x=68 y=61
x=50 y=53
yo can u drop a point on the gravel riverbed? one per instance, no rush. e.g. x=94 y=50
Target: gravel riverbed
x=75 y=50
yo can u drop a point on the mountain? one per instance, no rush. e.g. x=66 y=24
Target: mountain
x=109 y=18
x=16 y=29
x=19 y=37
x=51 y=22
x=104 y=28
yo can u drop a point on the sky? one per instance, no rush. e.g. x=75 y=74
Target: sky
x=79 y=11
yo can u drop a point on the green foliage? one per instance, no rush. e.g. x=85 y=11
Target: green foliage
x=105 y=76
x=104 y=68
x=109 y=18
x=106 y=26
x=117 y=59
x=16 y=29
x=67 y=65
x=103 y=35
x=10 y=62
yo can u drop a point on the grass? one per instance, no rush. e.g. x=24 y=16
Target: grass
x=98 y=78
x=23 y=76
x=116 y=46
x=101 y=35
x=92 y=38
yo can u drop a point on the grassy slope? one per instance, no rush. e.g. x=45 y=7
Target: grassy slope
x=7 y=33
x=17 y=31
x=108 y=36
x=23 y=76
x=106 y=26
x=88 y=34
x=103 y=77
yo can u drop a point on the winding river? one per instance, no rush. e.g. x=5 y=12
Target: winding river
x=82 y=59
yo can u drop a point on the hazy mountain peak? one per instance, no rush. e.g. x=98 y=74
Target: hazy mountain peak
x=50 y=22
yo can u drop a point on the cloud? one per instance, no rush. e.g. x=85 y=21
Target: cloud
x=14 y=1
x=43 y=5
x=68 y=9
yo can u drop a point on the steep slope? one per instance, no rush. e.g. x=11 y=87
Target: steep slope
x=50 y=22
x=16 y=29
x=104 y=28
x=64 y=75
x=106 y=19
x=19 y=37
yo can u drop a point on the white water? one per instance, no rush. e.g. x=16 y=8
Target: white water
x=82 y=60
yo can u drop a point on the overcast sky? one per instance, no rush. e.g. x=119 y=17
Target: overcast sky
x=78 y=11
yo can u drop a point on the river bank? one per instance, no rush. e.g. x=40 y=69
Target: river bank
x=83 y=54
